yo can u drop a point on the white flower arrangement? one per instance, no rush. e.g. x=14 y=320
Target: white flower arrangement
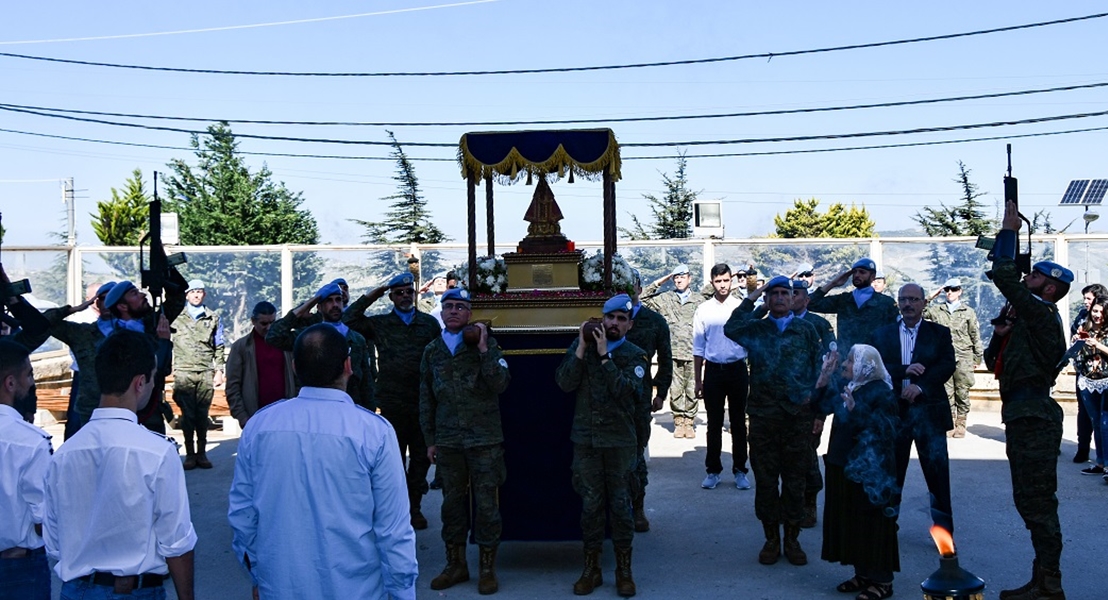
x=492 y=275
x=592 y=273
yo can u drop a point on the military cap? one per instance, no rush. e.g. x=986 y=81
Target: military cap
x=879 y=275
x=1054 y=270
x=779 y=281
x=340 y=282
x=454 y=294
x=865 y=263
x=195 y=284
x=401 y=280
x=953 y=282
x=116 y=294
x=681 y=269
x=104 y=289
x=804 y=268
x=618 y=302
x=800 y=284
x=331 y=289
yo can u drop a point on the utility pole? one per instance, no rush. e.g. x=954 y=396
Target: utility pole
x=70 y=210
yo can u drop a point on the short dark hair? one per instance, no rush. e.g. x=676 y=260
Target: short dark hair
x=1096 y=288
x=12 y=357
x=319 y=354
x=121 y=356
x=263 y=308
x=721 y=269
x=451 y=275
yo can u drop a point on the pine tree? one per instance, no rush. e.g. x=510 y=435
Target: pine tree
x=965 y=218
x=804 y=220
x=122 y=220
x=673 y=212
x=408 y=220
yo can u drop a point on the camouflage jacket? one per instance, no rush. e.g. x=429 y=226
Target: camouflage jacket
x=198 y=343
x=604 y=413
x=964 y=330
x=783 y=364
x=282 y=334
x=823 y=326
x=856 y=325
x=1032 y=350
x=459 y=395
x=83 y=339
x=651 y=333
x=678 y=314
x=399 y=350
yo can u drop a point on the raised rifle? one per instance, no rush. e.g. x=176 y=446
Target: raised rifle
x=1011 y=194
x=156 y=268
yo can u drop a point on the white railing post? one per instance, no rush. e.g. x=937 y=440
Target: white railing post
x=286 y=279
x=708 y=260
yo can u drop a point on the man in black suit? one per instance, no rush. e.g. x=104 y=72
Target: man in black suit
x=919 y=356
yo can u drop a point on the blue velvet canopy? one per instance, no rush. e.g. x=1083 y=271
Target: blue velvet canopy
x=510 y=155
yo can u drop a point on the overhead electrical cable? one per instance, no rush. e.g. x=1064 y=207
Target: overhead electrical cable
x=694 y=61
x=760 y=113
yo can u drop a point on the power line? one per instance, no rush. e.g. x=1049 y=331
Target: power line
x=717 y=142
x=762 y=113
x=695 y=61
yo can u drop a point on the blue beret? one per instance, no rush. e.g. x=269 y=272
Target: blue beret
x=104 y=289
x=800 y=284
x=1054 y=270
x=340 y=281
x=331 y=289
x=401 y=280
x=865 y=263
x=681 y=269
x=195 y=284
x=116 y=293
x=618 y=302
x=454 y=294
x=779 y=281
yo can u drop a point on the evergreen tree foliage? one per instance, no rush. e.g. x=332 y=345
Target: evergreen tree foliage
x=408 y=220
x=122 y=220
x=673 y=212
x=804 y=220
x=965 y=218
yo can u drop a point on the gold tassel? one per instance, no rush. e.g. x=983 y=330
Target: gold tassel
x=528 y=176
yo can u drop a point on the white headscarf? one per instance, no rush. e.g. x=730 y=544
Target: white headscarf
x=868 y=367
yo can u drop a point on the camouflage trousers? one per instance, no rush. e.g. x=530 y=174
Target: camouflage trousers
x=479 y=470
x=413 y=450
x=192 y=393
x=1032 y=448
x=602 y=477
x=958 y=387
x=639 y=478
x=780 y=454
x=682 y=392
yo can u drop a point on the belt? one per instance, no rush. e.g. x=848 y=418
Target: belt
x=728 y=365
x=13 y=553
x=125 y=583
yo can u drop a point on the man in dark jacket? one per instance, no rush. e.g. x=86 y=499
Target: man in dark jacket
x=919 y=356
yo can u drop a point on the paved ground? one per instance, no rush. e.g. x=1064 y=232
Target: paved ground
x=704 y=543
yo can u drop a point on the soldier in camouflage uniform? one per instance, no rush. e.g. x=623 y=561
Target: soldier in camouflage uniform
x=783 y=352
x=198 y=366
x=328 y=303
x=858 y=313
x=651 y=333
x=606 y=374
x=961 y=320
x=814 y=481
x=1026 y=350
x=678 y=307
x=459 y=410
x=400 y=336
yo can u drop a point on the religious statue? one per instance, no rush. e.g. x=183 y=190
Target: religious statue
x=544 y=234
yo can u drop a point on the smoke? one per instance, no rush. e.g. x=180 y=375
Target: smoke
x=872 y=461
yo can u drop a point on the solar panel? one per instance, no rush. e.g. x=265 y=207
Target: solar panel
x=1075 y=191
x=1096 y=192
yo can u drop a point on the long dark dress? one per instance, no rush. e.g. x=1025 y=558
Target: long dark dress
x=859 y=520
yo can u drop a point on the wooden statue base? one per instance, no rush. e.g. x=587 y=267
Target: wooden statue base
x=556 y=271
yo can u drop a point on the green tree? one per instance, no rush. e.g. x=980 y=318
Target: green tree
x=804 y=220
x=122 y=220
x=220 y=201
x=965 y=218
x=673 y=212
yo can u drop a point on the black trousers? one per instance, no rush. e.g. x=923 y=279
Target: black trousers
x=726 y=385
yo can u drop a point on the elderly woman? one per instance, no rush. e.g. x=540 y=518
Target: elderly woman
x=859 y=518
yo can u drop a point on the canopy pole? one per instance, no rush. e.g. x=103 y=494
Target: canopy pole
x=471 y=203
x=609 y=226
x=489 y=223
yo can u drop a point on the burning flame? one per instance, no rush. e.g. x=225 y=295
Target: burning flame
x=943 y=540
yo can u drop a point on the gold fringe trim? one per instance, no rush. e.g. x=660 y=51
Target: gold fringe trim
x=559 y=164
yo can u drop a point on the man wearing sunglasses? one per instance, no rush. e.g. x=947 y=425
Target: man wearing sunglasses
x=961 y=320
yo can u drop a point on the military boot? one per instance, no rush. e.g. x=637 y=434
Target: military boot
x=190 y=452
x=201 y=448
x=590 y=577
x=771 y=551
x=456 y=570
x=678 y=427
x=959 y=427
x=793 y=551
x=486 y=575
x=690 y=428
x=642 y=525
x=625 y=584
x=810 y=511
x=1025 y=588
x=1050 y=585
x=418 y=520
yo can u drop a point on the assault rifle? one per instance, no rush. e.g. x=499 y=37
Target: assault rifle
x=1011 y=194
x=157 y=270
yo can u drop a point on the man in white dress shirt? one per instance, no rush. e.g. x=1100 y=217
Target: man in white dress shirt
x=319 y=504
x=117 y=512
x=24 y=573
x=722 y=379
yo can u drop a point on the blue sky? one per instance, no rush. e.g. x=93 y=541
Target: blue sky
x=505 y=34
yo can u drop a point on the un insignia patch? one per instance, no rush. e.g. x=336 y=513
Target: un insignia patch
x=639 y=372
